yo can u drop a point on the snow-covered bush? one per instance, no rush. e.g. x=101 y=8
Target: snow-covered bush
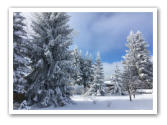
x=144 y=91
x=78 y=89
x=24 y=106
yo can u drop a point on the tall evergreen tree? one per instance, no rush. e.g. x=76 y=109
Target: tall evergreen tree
x=77 y=76
x=135 y=60
x=52 y=60
x=20 y=57
x=87 y=71
x=97 y=88
x=143 y=64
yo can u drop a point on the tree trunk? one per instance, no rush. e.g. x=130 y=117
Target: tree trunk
x=130 y=96
x=134 y=95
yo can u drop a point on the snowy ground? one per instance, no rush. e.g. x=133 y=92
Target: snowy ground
x=141 y=102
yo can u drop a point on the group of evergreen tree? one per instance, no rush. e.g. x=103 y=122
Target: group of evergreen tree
x=84 y=69
x=88 y=74
x=44 y=67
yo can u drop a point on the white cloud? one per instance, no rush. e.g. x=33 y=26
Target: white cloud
x=109 y=69
x=117 y=27
x=108 y=31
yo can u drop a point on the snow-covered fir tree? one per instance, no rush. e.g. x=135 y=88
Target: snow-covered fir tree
x=49 y=83
x=97 y=88
x=143 y=64
x=20 y=57
x=137 y=71
x=117 y=80
x=77 y=76
x=87 y=71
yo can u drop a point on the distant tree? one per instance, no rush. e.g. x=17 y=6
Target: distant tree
x=97 y=88
x=49 y=83
x=20 y=57
x=117 y=80
x=84 y=69
x=87 y=71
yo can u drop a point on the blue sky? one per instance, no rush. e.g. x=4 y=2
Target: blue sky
x=107 y=32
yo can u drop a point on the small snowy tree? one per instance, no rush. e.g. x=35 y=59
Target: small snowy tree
x=117 y=80
x=20 y=57
x=49 y=83
x=97 y=88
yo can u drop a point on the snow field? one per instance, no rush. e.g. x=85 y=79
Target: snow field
x=141 y=102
